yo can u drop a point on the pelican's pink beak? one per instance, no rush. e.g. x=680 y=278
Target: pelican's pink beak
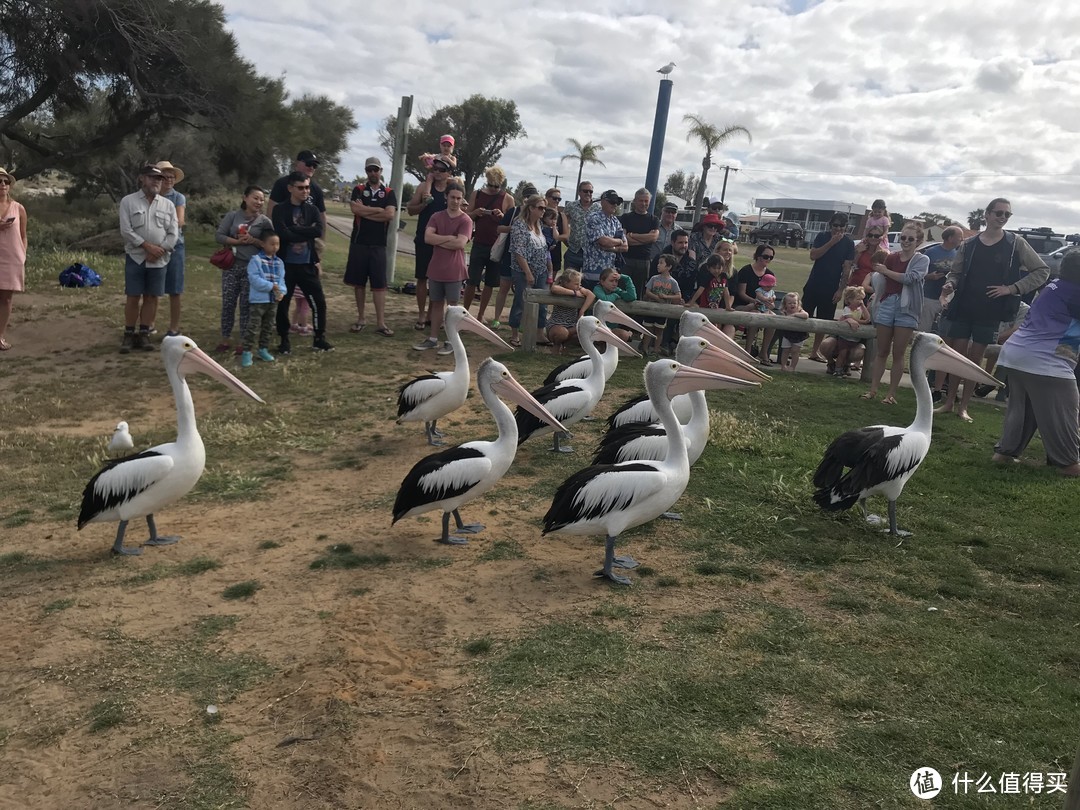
x=607 y=336
x=511 y=389
x=951 y=361
x=719 y=361
x=616 y=315
x=717 y=338
x=471 y=324
x=196 y=360
x=688 y=379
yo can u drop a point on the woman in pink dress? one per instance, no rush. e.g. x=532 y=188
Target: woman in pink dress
x=12 y=252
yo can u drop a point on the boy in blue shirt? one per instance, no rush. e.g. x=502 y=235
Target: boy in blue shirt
x=266 y=287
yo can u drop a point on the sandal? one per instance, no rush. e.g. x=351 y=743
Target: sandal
x=385 y=331
x=867 y=395
x=419 y=326
x=818 y=358
x=515 y=342
x=359 y=326
x=496 y=324
x=4 y=345
x=888 y=401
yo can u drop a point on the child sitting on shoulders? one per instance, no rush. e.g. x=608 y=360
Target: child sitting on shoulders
x=661 y=289
x=791 y=342
x=765 y=294
x=562 y=320
x=879 y=219
x=446 y=153
x=266 y=287
x=854 y=314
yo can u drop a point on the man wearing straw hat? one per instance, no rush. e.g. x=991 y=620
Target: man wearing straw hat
x=174 y=272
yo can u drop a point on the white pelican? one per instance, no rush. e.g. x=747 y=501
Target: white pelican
x=880 y=459
x=121 y=439
x=461 y=474
x=639 y=442
x=691 y=324
x=605 y=311
x=611 y=498
x=143 y=484
x=430 y=397
x=572 y=400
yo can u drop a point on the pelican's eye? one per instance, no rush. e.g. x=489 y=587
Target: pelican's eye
x=188 y=346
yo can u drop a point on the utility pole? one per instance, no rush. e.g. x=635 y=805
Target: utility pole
x=556 y=177
x=723 y=191
x=397 y=174
x=656 y=149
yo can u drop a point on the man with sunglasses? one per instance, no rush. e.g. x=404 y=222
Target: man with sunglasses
x=667 y=227
x=576 y=212
x=832 y=254
x=990 y=273
x=373 y=205
x=426 y=201
x=298 y=224
x=306 y=163
x=486 y=208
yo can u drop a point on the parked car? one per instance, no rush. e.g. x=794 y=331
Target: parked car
x=1053 y=260
x=1043 y=240
x=894 y=240
x=778 y=232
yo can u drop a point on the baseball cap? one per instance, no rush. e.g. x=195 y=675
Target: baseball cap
x=152 y=170
x=670 y=207
x=767 y=280
x=611 y=196
x=307 y=156
x=446 y=139
x=372 y=161
x=440 y=161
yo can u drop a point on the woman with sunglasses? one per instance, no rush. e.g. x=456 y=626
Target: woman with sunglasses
x=12 y=252
x=560 y=230
x=746 y=286
x=898 y=292
x=531 y=262
x=990 y=273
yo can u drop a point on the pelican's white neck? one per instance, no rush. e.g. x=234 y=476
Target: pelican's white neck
x=185 y=408
x=924 y=402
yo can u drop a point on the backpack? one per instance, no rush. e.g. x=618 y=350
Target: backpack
x=79 y=275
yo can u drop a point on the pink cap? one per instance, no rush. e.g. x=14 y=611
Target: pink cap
x=767 y=280
x=446 y=139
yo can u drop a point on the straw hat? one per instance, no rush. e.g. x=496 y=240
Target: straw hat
x=164 y=165
x=5 y=173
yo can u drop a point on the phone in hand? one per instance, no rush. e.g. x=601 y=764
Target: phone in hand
x=9 y=220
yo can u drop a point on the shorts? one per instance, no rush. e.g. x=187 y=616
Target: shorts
x=366 y=264
x=142 y=280
x=787 y=343
x=174 y=271
x=977 y=332
x=424 y=252
x=819 y=305
x=481 y=267
x=654 y=321
x=889 y=315
x=449 y=291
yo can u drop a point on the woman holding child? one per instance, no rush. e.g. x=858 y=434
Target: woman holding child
x=239 y=230
x=745 y=293
x=898 y=297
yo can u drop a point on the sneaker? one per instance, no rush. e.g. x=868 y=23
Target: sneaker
x=265 y=356
x=937 y=396
x=245 y=359
x=295 y=329
x=146 y=345
x=445 y=350
x=320 y=345
x=171 y=333
x=222 y=348
x=830 y=368
x=128 y=343
x=496 y=325
x=982 y=390
x=430 y=343
x=284 y=347
x=307 y=330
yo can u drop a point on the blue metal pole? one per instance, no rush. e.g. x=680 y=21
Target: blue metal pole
x=659 y=130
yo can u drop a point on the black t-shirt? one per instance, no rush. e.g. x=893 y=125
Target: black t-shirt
x=712 y=294
x=752 y=281
x=280 y=193
x=436 y=204
x=639 y=223
x=366 y=231
x=988 y=266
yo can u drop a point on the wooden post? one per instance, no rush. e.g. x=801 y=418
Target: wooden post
x=529 y=318
x=397 y=174
x=1072 y=798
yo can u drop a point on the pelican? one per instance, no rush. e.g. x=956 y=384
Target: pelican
x=612 y=498
x=461 y=474
x=121 y=439
x=430 y=397
x=576 y=369
x=639 y=410
x=572 y=400
x=638 y=442
x=880 y=459
x=142 y=484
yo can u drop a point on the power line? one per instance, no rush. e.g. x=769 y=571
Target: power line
x=913 y=176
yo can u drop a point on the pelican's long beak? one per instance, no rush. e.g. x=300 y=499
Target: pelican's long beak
x=471 y=324
x=717 y=338
x=511 y=389
x=606 y=335
x=198 y=360
x=616 y=315
x=719 y=361
x=951 y=361
x=688 y=379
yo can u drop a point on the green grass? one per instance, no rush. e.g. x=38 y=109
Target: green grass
x=241 y=590
x=58 y=606
x=188 y=568
x=508 y=549
x=341 y=555
x=478 y=646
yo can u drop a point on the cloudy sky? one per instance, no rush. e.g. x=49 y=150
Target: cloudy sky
x=934 y=107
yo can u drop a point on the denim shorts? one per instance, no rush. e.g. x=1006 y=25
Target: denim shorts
x=889 y=314
x=174 y=271
x=142 y=280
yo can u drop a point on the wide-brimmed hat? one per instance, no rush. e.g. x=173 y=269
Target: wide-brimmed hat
x=165 y=166
x=711 y=219
x=5 y=173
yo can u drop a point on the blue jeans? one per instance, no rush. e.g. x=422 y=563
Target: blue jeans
x=517 y=276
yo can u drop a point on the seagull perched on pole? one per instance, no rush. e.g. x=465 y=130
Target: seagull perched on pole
x=666 y=69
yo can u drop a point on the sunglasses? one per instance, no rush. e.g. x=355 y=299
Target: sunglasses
x=373 y=169
x=1005 y=214
x=4 y=181
x=555 y=199
x=540 y=207
x=311 y=164
x=907 y=238
x=302 y=188
x=768 y=257
x=873 y=236
x=585 y=191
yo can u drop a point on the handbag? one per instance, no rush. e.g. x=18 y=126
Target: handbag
x=223 y=258
x=499 y=248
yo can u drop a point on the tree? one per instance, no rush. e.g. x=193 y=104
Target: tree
x=519 y=190
x=933 y=219
x=583 y=153
x=681 y=185
x=976 y=219
x=711 y=137
x=482 y=128
x=896 y=222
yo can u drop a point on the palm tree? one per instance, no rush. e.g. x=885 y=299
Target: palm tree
x=586 y=153
x=976 y=219
x=711 y=138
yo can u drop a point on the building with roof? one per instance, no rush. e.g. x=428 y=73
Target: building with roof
x=813 y=215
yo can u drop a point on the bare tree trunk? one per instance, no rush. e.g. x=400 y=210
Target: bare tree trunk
x=580 y=169
x=705 y=164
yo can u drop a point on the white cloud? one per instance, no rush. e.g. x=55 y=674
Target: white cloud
x=845 y=100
